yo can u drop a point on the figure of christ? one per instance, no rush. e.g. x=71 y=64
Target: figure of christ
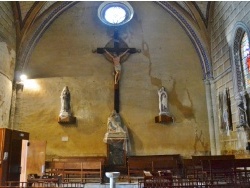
x=117 y=64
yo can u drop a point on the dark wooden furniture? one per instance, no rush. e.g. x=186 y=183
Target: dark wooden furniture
x=200 y=160
x=136 y=168
x=10 y=153
x=72 y=172
x=78 y=169
x=161 y=180
x=170 y=165
x=137 y=164
x=242 y=170
x=41 y=182
x=5 y=139
x=188 y=169
x=221 y=170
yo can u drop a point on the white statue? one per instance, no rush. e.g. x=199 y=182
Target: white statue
x=163 y=101
x=65 y=102
x=114 y=123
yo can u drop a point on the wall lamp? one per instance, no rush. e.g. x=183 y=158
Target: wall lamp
x=20 y=82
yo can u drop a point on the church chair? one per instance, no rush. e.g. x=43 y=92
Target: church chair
x=57 y=169
x=188 y=168
x=222 y=171
x=166 y=165
x=242 y=170
x=72 y=172
x=136 y=168
x=92 y=170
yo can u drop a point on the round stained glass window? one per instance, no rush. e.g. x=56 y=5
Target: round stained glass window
x=115 y=13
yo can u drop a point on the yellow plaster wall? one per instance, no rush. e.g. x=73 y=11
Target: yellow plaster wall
x=64 y=56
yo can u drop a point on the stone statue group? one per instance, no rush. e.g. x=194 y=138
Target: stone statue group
x=114 y=120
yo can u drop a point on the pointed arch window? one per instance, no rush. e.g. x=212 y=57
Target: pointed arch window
x=245 y=60
x=241 y=73
x=240 y=60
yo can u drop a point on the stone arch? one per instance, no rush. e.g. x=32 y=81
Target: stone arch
x=193 y=35
x=27 y=48
x=239 y=30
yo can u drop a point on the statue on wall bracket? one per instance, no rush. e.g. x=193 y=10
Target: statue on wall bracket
x=243 y=111
x=65 y=116
x=164 y=114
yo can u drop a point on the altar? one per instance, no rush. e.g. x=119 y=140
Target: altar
x=116 y=139
x=116 y=149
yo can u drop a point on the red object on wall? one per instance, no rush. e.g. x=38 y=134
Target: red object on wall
x=248 y=62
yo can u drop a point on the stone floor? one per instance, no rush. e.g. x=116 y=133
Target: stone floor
x=106 y=185
x=98 y=185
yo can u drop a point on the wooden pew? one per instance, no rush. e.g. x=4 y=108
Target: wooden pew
x=188 y=168
x=56 y=168
x=166 y=165
x=136 y=168
x=242 y=170
x=222 y=170
x=92 y=170
x=102 y=159
x=79 y=169
x=72 y=172
x=199 y=159
x=137 y=164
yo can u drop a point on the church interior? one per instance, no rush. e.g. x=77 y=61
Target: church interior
x=112 y=92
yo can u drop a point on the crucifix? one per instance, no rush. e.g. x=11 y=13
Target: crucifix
x=116 y=52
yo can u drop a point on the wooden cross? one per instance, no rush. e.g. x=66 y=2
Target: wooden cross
x=116 y=50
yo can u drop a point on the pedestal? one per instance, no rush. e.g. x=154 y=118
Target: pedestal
x=116 y=151
x=164 y=119
x=112 y=178
x=67 y=120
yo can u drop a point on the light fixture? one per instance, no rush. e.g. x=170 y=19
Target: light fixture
x=115 y=13
x=23 y=77
x=20 y=82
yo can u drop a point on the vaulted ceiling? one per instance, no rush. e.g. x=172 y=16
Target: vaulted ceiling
x=25 y=8
x=27 y=12
x=33 y=17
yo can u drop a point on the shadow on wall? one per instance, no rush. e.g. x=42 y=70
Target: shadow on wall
x=131 y=143
x=199 y=140
x=187 y=112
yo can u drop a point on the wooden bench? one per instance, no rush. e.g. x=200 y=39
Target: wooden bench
x=137 y=164
x=78 y=169
x=56 y=168
x=202 y=161
x=102 y=159
x=188 y=168
x=222 y=170
x=72 y=172
x=166 y=165
x=136 y=168
x=92 y=170
x=211 y=157
x=242 y=170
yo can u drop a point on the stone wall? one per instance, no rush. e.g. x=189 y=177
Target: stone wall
x=64 y=56
x=7 y=60
x=226 y=15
